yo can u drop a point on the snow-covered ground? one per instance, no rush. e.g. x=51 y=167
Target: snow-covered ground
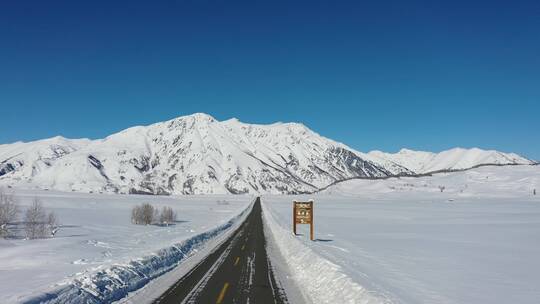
x=97 y=234
x=403 y=241
x=378 y=241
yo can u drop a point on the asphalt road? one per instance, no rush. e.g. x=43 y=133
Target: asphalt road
x=236 y=272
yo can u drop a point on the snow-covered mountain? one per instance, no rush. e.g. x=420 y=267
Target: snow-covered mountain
x=197 y=154
x=189 y=155
x=454 y=159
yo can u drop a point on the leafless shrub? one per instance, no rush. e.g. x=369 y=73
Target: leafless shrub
x=52 y=223
x=155 y=215
x=147 y=214
x=35 y=220
x=9 y=210
x=167 y=216
x=143 y=214
x=442 y=188
x=136 y=217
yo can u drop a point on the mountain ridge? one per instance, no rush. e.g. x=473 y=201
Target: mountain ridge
x=197 y=154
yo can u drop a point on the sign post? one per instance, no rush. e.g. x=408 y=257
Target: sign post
x=303 y=214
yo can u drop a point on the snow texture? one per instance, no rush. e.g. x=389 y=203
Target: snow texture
x=98 y=256
x=320 y=280
x=402 y=240
x=455 y=159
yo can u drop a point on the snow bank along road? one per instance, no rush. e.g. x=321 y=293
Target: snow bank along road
x=236 y=272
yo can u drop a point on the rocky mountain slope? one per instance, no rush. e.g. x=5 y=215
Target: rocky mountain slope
x=197 y=154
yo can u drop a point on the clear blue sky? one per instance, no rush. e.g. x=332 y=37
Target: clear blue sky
x=424 y=75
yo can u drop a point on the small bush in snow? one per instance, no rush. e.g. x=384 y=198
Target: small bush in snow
x=38 y=223
x=136 y=215
x=147 y=214
x=35 y=220
x=143 y=214
x=52 y=223
x=167 y=216
x=9 y=211
x=222 y=202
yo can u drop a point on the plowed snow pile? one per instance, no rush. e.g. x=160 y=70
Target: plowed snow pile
x=98 y=255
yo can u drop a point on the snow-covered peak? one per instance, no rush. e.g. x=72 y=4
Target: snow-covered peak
x=231 y=121
x=405 y=151
x=24 y=160
x=454 y=159
x=195 y=118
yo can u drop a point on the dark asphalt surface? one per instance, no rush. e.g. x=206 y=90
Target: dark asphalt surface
x=238 y=271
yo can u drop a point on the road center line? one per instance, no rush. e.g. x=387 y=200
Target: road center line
x=191 y=297
x=237 y=260
x=222 y=293
x=243 y=246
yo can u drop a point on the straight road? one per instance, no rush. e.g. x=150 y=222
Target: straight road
x=238 y=271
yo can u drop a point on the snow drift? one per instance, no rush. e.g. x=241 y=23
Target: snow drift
x=404 y=239
x=320 y=280
x=115 y=282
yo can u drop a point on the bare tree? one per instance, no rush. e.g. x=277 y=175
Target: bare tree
x=144 y=214
x=9 y=211
x=167 y=216
x=147 y=214
x=35 y=220
x=136 y=215
x=52 y=223
x=155 y=216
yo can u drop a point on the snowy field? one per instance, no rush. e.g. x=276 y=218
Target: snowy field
x=97 y=233
x=378 y=241
x=403 y=241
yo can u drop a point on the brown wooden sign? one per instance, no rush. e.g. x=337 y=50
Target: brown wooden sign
x=303 y=214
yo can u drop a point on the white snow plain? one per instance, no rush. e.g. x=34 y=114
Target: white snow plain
x=99 y=249
x=399 y=240
x=405 y=241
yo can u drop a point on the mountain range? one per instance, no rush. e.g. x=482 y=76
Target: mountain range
x=197 y=154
